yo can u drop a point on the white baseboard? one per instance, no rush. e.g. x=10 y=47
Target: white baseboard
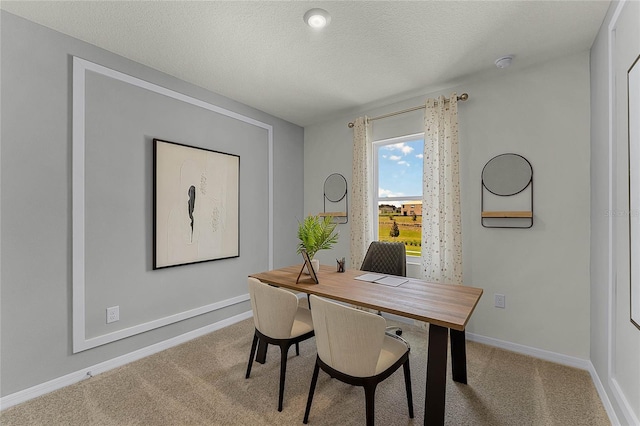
x=71 y=378
x=604 y=397
x=571 y=361
x=583 y=364
x=630 y=418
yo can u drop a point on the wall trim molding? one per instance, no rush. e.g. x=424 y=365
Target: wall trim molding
x=87 y=373
x=614 y=387
x=141 y=328
x=80 y=68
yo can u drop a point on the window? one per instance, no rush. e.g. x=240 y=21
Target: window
x=397 y=174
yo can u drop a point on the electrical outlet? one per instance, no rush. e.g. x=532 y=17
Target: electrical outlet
x=499 y=300
x=113 y=314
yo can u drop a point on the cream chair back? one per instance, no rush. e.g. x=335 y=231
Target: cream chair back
x=348 y=340
x=274 y=309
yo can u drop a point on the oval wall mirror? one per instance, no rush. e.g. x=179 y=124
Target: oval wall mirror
x=506 y=174
x=335 y=187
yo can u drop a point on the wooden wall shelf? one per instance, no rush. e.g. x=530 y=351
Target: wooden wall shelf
x=333 y=214
x=508 y=214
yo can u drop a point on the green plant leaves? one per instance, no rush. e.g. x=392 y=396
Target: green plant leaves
x=316 y=233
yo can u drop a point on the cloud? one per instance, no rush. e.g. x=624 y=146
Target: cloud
x=394 y=157
x=419 y=155
x=404 y=163
x=406 y=149
x=402 y=147
x=387 y=193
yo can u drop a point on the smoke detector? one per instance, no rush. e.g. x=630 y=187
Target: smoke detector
x=504 y=61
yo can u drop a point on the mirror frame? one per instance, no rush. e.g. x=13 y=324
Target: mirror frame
x=324 y=187
x=511 y=193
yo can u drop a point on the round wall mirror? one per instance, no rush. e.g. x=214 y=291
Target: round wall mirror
x=507 y=174
x=335 y=187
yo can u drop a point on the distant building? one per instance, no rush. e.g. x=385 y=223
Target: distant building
x=411 y=208
x=387 y=209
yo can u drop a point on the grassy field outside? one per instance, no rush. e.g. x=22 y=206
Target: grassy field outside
x=410 y=231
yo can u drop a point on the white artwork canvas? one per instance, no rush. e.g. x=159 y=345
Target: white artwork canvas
x=196 y=204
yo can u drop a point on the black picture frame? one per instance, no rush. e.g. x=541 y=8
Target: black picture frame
x=196 y=204
x=307 y=263
x=633 y=110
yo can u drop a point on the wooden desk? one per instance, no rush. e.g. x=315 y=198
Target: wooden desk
x=447 y=309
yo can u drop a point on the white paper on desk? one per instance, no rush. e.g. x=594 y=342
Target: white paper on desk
x=382 y=279
x=369 y=277
x=391 y=281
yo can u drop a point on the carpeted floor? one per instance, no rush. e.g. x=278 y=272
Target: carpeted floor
x=202 y=382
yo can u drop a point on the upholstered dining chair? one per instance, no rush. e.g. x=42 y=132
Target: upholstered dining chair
x=389 y=258
x=354 y=348
x=278 y=321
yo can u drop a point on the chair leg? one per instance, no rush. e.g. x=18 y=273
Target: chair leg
x=261 y=355
x=253 y=351
x=407 y=382
x=370 y=400
x=284 y=349
x=312 y=389
x=297 y=349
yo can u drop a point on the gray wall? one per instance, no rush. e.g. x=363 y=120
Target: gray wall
x=36 y=201
x=542 y=113
x=615 y=342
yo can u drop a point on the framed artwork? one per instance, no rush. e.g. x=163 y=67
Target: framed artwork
x=196 y=204
x=633 y=86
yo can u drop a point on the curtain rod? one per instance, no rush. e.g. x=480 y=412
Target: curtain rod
x=462 y=97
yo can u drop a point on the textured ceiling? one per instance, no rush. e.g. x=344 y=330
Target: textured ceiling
x=264 y=55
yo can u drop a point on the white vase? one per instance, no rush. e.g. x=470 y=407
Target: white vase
x=315 y=264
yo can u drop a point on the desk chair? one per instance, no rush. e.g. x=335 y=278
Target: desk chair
x=278 y=321
x=354 y=348
x=386 y=258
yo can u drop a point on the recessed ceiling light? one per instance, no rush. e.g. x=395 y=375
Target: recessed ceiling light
x=504 y=61
x=317 y=18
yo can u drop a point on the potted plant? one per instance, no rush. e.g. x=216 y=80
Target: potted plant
x=316 y=233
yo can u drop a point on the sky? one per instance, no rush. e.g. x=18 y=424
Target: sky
x=400 y=169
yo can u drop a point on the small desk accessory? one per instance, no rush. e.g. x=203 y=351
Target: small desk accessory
x=307 y=263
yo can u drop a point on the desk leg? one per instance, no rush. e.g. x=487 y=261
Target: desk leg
x=458 y=356
x=261 y=356
x=436 y=376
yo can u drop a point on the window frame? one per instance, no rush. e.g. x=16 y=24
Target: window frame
x=376 y=146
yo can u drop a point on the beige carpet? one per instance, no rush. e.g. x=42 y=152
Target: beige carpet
x=202 y=383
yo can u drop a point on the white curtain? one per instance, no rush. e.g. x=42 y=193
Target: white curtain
x=360 y=215
x=441 y=221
